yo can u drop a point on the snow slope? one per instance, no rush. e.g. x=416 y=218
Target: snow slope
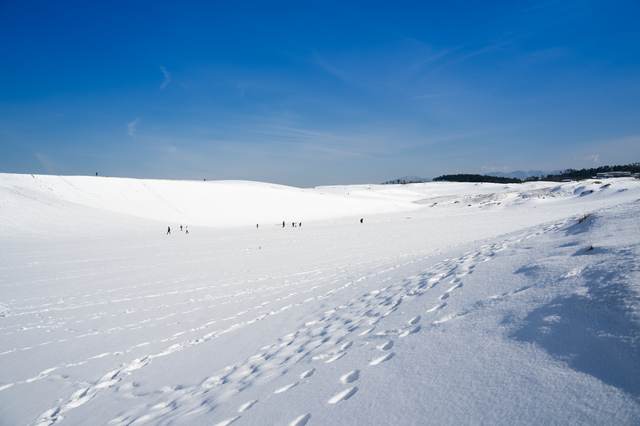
x=451 y=304
x=210 y=204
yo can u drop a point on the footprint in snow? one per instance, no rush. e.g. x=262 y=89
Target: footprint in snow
x=382 y=359
x=444 y=296
x=350 y=377
x=412 y=331
x=454 y=287
x=301 y=421
x=286 y=388
x=335 y=358
x=308 y=373
x=435 y=279
x=245 y=407
x=366 y=331
x=435 y=308
x=388 y=345
x=346 y=346
x=445 y=319
x=228 y=421
x=344 y=395
x=415 y=320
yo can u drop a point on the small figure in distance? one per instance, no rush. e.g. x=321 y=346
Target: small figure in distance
x=300 y=224
x=283 y=223
x=186 y=228
x=180 y=228
x=96 y=173
x=293 y=224
x=168 y=230
x=256 y=226
x=361 y=219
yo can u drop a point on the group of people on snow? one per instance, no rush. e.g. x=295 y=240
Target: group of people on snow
x=186 y=228
x=293 y=224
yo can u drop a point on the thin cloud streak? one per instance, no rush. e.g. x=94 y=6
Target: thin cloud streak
x=307 y=132
x=131 y=127
x=167 y=77
x=324 y=142
x=591 y=158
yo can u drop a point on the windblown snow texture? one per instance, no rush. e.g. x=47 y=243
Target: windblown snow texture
x=450 y=304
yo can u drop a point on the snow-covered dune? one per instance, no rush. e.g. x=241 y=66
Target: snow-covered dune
x=211 y=204
x=43 y=203
x=451 y=304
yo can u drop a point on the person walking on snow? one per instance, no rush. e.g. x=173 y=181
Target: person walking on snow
x=168 y=230
x=186 y=228
x=180 y=228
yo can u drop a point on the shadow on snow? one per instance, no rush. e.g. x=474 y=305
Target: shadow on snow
x=597 y=333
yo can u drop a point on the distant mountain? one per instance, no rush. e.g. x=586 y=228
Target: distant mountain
x=519 y=174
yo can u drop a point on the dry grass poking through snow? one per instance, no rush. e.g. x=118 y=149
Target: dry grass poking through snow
x=583 y=217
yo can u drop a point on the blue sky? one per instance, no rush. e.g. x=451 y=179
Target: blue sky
x=317 y=93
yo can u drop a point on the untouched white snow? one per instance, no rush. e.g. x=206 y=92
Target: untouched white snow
x=450 y=304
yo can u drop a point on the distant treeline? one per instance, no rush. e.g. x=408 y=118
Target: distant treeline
x=567 y=174
x=588 y=173
x=476 y=178
x=402 y=182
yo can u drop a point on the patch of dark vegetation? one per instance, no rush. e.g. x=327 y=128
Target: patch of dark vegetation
x=476 y=178
x=587 y=173
x=583 y=217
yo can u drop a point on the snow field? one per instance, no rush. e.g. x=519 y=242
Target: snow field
x=494 y=313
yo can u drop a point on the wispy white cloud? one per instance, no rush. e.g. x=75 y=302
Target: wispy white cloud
x=318 y=141
x=423 y=57
x=590 y=158
x=167 y=77
x=392 y=66
x=322 y=136
x=491 y=47
x=131 y=127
